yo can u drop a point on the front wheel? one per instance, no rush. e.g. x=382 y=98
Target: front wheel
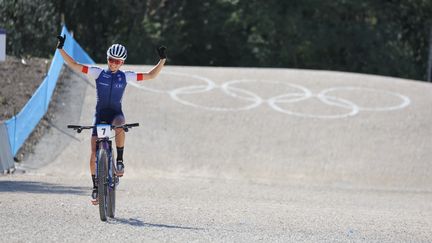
x=102 y=166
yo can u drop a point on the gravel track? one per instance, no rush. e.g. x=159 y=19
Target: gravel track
x=198 y=174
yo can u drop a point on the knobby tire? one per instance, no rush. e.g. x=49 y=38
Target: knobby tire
x=102 y=183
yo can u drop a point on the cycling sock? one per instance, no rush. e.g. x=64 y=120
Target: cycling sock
x=94 y=181
x=120 y=153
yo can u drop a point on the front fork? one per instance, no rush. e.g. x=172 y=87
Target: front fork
x=111 y=180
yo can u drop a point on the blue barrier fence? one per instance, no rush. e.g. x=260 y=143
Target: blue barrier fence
x=22 y=124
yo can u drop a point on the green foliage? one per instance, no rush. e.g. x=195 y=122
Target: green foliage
x=378 y=37
x=28 y=25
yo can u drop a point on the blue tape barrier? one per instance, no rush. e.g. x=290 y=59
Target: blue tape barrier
x=22 y=124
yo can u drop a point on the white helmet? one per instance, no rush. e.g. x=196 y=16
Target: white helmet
x=117 y=51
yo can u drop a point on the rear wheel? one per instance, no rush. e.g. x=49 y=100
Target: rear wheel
x=111 y=204
x=102 y=166
x=112 y=191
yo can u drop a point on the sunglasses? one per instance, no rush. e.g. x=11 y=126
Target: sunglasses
x=115 y=61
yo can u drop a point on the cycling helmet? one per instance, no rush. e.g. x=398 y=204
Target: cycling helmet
x=117 y=51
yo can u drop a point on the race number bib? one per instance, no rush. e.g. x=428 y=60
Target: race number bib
x=103 y=130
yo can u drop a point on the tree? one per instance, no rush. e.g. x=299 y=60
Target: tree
x=28 y=23
x=378 y=37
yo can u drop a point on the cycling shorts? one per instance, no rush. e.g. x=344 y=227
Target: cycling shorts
x=106 y=116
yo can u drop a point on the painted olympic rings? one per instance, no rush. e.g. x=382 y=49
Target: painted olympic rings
x=300 y=93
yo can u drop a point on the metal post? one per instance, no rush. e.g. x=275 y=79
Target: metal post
x=429 y=65
x=2 y=45
x=62 y=17
x=6 y=157
x=46 y=81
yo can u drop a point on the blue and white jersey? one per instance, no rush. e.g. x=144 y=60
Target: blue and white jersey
x=110 y=86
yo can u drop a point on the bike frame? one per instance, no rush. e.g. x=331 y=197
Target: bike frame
x=106 y=188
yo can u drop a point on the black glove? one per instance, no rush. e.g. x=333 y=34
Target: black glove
x=161 y=51
x=61 y=41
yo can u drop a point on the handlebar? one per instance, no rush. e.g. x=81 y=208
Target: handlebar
x=125 y=127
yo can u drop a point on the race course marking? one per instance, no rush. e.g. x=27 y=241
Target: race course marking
x=299 y=93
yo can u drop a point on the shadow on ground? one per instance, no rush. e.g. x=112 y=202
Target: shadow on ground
x=140 y=223
x=40 y=187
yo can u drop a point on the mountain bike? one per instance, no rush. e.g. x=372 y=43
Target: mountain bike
x=106 y=177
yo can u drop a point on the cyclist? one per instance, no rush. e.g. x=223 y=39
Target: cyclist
x=110 y=86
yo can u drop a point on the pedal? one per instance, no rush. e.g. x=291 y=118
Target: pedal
x=94 y=197
x=120 y=168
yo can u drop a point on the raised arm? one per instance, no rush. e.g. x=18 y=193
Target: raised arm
x=158 y=67
x=68 y=59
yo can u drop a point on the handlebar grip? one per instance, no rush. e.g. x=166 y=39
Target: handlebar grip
x=73 y=126
x=133 y=125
